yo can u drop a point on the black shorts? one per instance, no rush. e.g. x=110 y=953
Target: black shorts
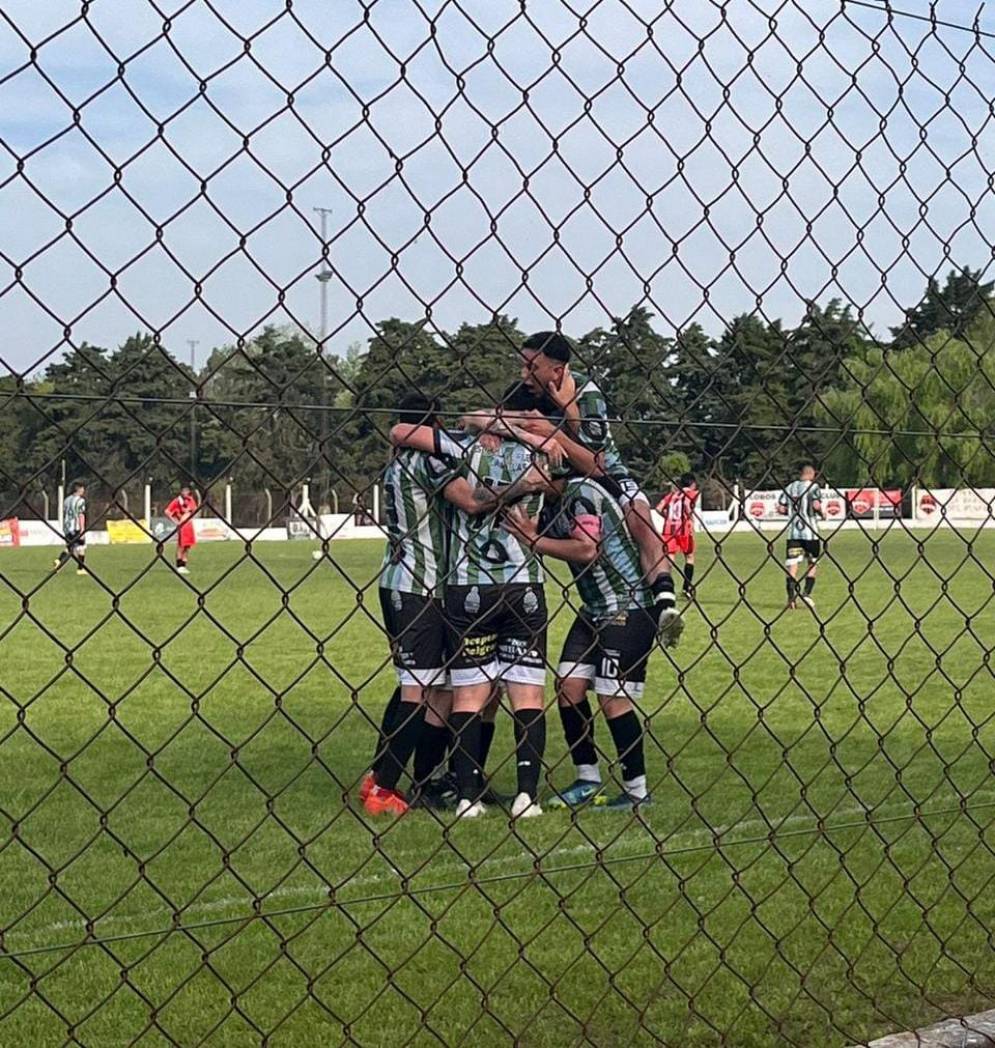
x=497 y=633
x=416 y=629
x=75 y=541
x=800 y=549
x=612 y=652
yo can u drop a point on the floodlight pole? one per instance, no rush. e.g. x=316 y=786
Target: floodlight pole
x=323 y=276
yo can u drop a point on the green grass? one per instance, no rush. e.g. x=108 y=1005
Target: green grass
x=176 y=759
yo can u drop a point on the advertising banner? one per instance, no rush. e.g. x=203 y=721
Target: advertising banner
x=211 y=529
x=10 y=534
x=965 y=504
x=127 y=531
x=862 y=501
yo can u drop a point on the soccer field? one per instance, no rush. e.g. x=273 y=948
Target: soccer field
x=177 y=759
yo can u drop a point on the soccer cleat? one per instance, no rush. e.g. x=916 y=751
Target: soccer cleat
x=435 y=795
x=669 y=627
x=626 y=802
x=467 y=809
x=381 y=801
x=56 y=564
x=82 y=571
x=181 y=570
x=578 y=794
x=806 y=599
x=525 y=807
x=369 y=781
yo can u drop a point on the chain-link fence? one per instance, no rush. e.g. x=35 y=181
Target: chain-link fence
x=688 y=597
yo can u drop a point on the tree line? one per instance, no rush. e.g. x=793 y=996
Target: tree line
x=747 y=404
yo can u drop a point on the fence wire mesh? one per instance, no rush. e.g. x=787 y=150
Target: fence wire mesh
x=767 y=231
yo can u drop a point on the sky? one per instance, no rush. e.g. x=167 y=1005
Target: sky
x=159 y=167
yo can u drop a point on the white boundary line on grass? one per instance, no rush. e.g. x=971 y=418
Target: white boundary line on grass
x=674 y=843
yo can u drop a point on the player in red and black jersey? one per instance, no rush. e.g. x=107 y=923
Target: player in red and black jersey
x=677 y=508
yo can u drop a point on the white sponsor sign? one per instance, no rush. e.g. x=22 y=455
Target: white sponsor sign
x=212 y=529
x=937 y=504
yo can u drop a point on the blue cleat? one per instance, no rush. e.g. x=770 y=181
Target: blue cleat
x=579 y=793
x=626 y=802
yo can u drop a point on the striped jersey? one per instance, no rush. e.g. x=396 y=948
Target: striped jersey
x=417 y=518
x=73 y=514
x=799 y=499
x=595 y=431
x=482 y=553
x=615 y=581
x=677 y=510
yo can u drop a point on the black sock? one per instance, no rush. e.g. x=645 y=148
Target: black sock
x=487 y=729
x=688 y=577
x=386 y=728
x=430 y=751
x=627 y=734
x=63 y=557
x=530 y=744
x=809 y=584
x=401 y=743
x=578 y=730
x=791 y=585
x=663 y=591
x=466 y=753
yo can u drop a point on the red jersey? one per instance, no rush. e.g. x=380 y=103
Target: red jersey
x=677 y=510
x=181 y=511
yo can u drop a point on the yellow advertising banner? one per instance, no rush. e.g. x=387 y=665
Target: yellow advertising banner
x=127 y=531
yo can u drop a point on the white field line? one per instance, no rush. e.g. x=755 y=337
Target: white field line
x=626 y=847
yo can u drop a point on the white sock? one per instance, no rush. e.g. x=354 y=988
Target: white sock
x=588 y=773
x=635 y=787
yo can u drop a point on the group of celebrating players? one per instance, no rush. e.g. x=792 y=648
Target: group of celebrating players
x=471 y=516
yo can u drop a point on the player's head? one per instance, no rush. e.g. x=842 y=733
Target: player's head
x=686 y=480
x=185 y=489
x=545 y=356
x=417 y=409
x=807 y=472
x=78 y=487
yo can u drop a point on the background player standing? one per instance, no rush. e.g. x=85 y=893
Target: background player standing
x=801 y=503
x=181 y=512
x=74 y=528
x=677 y=509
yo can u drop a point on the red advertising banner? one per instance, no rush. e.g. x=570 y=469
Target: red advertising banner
x=862 y=502
x=10 y=532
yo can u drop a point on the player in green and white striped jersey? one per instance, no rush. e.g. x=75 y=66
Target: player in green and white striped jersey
x=411 y=586
x=495 y=607
x=610 y=642
x=74 y=528
x=801 y=503
x=582 y=411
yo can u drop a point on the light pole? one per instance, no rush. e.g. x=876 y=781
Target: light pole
x=323 y=276
x=193 y=343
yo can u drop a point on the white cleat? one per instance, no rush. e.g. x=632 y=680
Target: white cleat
x=524 y=807
x=808 y=600
x=669 y=627
x=469 y=809
x=182 y=571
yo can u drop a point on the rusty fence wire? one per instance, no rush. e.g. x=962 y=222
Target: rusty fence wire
x=240 y=242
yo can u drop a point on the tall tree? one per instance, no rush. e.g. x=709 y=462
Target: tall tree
x=951 y=308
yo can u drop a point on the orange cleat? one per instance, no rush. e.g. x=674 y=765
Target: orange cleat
x=369 y=781
x=380 y=801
